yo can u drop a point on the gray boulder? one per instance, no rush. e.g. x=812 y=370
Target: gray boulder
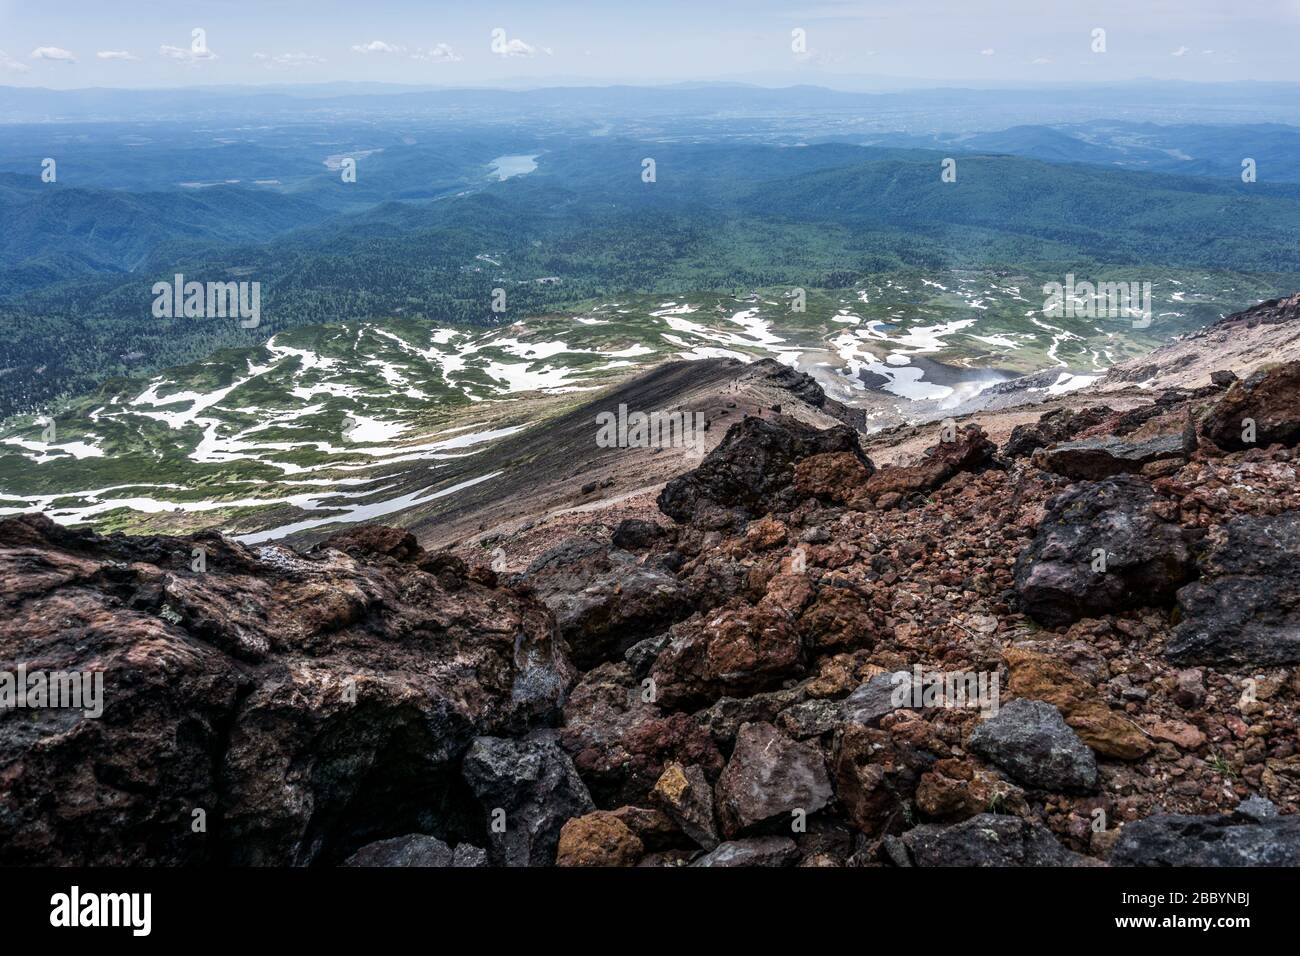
x=1096 y=458
x=604 y=599
x=415 y=849
x=1215 y=840
x=1059 y=577
x=769 y=851
x=1031 y=741
x=534 y=782
x=769 y=776
x=1245 y=609
x=989 y=840
x=876 y=698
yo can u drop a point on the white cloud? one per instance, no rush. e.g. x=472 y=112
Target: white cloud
x=377 y=46
x=186 y=53
x=441 y=52
x=53 y=53
x=987 y=51
x=1181 y=51
x=7 y=63
x=515 y=47
x=288 y=60
x=1041 y=60
x=116 y=55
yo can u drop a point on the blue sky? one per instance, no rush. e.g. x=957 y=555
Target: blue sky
x=148 y=43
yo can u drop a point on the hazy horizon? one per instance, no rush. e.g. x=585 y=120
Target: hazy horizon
x=153 y=45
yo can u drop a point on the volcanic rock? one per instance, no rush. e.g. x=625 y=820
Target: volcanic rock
x=1096 y=458
x=1245 y=609
x=1111 y=524
x=636 y=534
x=751 y=472
x=883 y=694
x=598 y=839
x=969 y=451
x=685 y=795
x=1031 y=742
x=416 y=849
x=1222 y=840
x=534 y=782
x=876 y=776
x=1057 y=426
x=306 y=704
x=604 y=599
x=836 y=477
x=1038 y=677
x=769 y=851
x=957 y=790
x=769 y=776
x=738 y=649
x=988 y=840
x=1270 y=397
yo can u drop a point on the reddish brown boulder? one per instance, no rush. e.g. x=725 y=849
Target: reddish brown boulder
x=598 y=839
x=836 y=477
x=301 y=705
x=738 y=649
x=1270 y=398
x=969 y=451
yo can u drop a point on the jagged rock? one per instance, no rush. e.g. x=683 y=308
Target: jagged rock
x=988 y=840
x=836 y=477
x=636 y=534
x=534 y=782
x=376 y=540
x=881 y=695
x=1257 y=808
x=958 y=790
x=685 y=795
x=641 y=655
x=1223 y=378
x=838 y=618
x=654 y=828
x=620 y=741
x=467 y=856
x=598 y=839
x=1245 y=609
x=1190 y=690
x=1096 y=458
x=876 y=775
x=768 y=851
x=416 y=849
x=1038 y=677
x=1270 y=397
x=751 y=472
x=811 y=718
x=1225 y=840
x=1057 y=426
x=310 y=703
x=737 y=649
x=969 y=451
x=724 y=717
x=1031 y=742
x=769 y=776
x=770 y=373
x=604 y=599
x=1146 y=558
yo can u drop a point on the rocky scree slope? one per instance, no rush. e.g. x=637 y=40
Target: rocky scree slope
x=714 y=685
